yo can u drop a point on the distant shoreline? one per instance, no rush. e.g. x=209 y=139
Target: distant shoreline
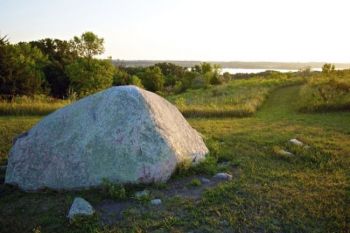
x=234 y=64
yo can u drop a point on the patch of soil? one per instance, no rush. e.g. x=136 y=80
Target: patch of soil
x=182 y=187
x=112 y=211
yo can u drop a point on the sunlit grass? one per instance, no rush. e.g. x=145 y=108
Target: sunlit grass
x=324 y=93
x=307 y=192
x=10 y=127
x=37 y=105
x=238 y=98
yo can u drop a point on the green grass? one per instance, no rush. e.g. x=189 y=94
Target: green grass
x=308 y=192
x=37 y=105
x=195 y=182
x=238 y=98
x=10 y=127
x=324 y=93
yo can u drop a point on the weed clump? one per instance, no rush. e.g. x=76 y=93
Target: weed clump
x=114 y=191
x=196 y=182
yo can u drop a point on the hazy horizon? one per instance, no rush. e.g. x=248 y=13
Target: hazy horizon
x=192 y=30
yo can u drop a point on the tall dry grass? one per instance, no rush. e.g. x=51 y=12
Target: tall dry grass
x=238 y=98
x=37 y=105
x=326 y=92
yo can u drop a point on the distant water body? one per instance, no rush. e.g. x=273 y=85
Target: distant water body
x=254 y=71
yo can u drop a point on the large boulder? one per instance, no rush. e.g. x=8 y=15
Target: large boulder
x=123 y=134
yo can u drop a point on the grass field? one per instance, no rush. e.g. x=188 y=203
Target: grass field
x=37 y=105
x=239 y=98
x=323 y=93
x=306 y=192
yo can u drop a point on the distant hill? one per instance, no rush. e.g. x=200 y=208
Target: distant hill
x=234 y=64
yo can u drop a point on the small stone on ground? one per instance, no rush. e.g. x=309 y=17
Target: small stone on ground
x=80 y=207
x=156 y=202
x=205 y=180
x=285 y=153
x=141 y=194
x=223 y=176
x=296 y=142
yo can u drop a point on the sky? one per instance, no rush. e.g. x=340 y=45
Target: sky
x=206 y=30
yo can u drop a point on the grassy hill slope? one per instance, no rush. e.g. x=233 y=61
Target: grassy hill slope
x=308 y=191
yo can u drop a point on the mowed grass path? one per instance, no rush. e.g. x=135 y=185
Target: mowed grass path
x=307 y=192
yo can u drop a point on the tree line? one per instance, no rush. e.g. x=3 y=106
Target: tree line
x=61 y=68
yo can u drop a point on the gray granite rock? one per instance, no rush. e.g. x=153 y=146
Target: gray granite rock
x=156 y=202
x=124 y=134
x=222 y=176
x=80 y=207
x=205 y=180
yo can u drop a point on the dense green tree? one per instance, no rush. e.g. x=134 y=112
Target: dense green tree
x=152 y=79
x=168 y=68
x=88 y=76
x=4 y=63
x=206 y=74
x=215 y=74
x=121 y=77
x=21 y=69
x=188 y=79
x=88 y=45
x=136 y=81
x=60 y=54
x=206 y=67
x=171 y=72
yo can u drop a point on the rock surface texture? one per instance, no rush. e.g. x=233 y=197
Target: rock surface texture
x=123 y=134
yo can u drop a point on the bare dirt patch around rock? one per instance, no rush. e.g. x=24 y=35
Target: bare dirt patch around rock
x=111 y=211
